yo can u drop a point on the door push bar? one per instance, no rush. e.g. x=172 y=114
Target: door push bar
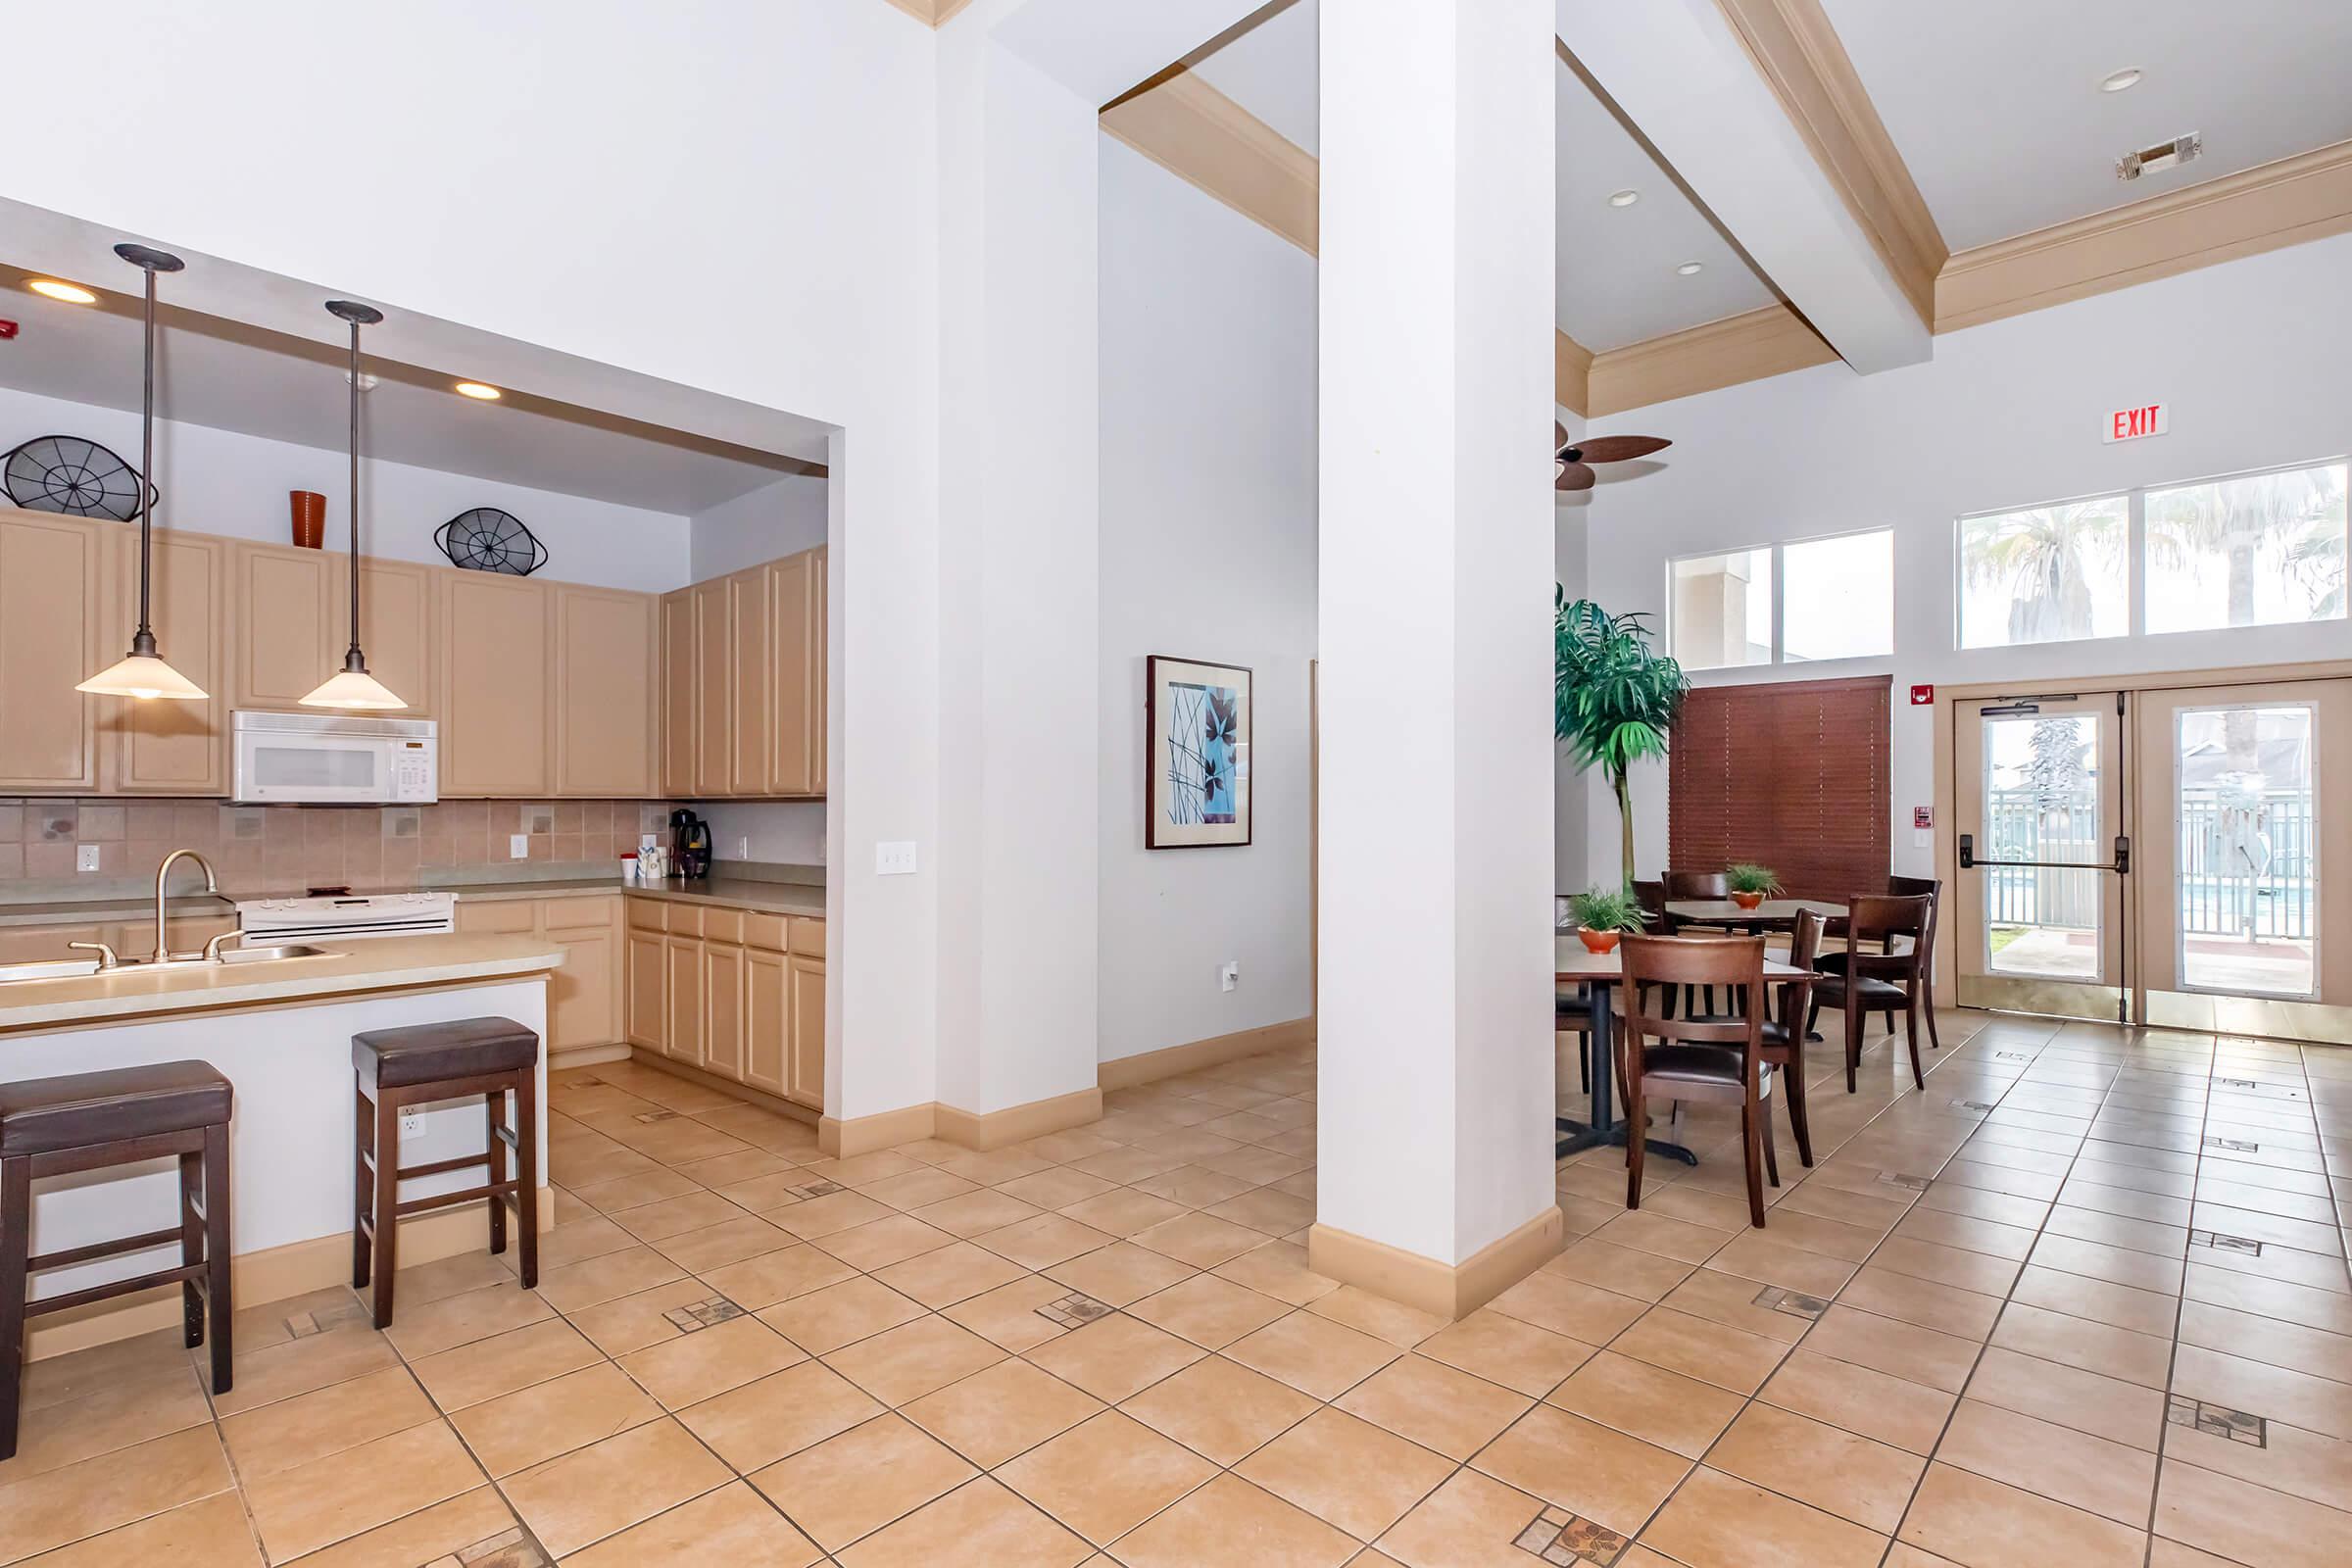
x=2120 y=865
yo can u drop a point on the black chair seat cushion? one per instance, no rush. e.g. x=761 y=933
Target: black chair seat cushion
x=1829 y=991
x=42 y=1115
x=431 y=1052
x=1570 y=1009
x=1691 y=1064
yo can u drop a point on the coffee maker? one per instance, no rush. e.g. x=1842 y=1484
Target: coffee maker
x=689 y=843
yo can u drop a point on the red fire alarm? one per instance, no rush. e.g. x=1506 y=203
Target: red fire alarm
x=1922 y=816
x=8 y=329
x=1922 y=696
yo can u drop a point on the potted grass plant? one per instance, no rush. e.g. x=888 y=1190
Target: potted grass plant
x=1601 y=916
x=1751 y=884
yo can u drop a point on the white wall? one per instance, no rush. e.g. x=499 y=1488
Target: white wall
x=219 y=481
x=1207 y=552
x=1569 y=807
x=775 y=521
x=2254 y=355
x=787 y=832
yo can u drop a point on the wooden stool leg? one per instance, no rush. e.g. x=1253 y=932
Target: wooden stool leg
x=363 y=1186
x=191 y=1246
x=387 y=1200
x=494 y=1112
x=16 y=1244
x=1750 y=1120
x=526 y=1184
x=217 y=1256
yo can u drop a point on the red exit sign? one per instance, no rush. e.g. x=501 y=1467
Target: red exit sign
x=2131 y=424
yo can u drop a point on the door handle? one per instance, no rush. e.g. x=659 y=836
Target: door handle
x=2120 y=865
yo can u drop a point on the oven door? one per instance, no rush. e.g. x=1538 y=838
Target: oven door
x=281 y=767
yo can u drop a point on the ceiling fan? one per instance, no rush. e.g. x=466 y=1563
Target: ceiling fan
x=1572 y=458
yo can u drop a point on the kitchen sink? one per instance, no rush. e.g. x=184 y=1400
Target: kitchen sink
x=290 y=949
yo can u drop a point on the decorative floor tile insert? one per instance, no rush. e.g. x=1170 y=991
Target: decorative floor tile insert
x=302 y=1325
x=1074 y=1311
x=2236 y=1145
x=1559 y=1537
x=1915 y=1184
x=2225 y=1243
x=816 y=1189
x=2219 y=1421
x=2013 y=1056
x=584 y=1082
x=1796 y=1303
x=657 y=1115
x=709 y=1312
x=1985 y=1105
x=512 y=1549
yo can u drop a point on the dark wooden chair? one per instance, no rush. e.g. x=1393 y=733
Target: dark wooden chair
x=1686 y=886
x=1686 y=1059
x=1878 y=976
x=414 y=1065
x=1834 y=961
x=1783 y=1037
x=122 y=1117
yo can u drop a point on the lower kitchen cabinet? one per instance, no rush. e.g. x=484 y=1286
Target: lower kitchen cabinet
x=722 y=1009
x=808 y=1001
x=682 y=974
x=740 y=996
x=646 y=982
x=584 y=995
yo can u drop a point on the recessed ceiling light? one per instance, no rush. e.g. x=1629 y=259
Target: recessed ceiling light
x=476 y=389
x=2121 y=82
x=1690 y=269
x=1624 y=198
x=71 y=293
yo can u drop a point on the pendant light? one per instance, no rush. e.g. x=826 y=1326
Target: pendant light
x=142 y=673
x=352 y=686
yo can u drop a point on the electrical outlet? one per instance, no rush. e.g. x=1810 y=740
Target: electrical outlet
x=894 y=858
x=412 y=1123
x=518 y=847
x=743 y=847
x=85 y=857
x=1231 y=975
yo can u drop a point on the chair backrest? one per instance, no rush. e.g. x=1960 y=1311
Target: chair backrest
x=1930 y=888
x=1876 y=919
x=1651 y=896
x=1697 y=885
x=1651 y=965
x=1804 y=946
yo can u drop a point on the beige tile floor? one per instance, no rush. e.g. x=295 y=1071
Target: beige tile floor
x=2081 y=1302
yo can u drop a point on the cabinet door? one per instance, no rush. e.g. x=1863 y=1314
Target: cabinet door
x=496 y=686
x=604 y=681
x=580 y=993
x=807 y=1085
x=648 y=991
x=49 y=599
x=678 y=686
x=715 y=685
x=766 y=1021
x=498 y=917
x=793 y=609
x=174 y=748
x=290 y=635
x=750 y=710
x=396 y=630
x=722 y=1009
x=820 y=666
x=683 y=959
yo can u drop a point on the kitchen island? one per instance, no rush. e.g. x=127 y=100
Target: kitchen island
x=280 y=1031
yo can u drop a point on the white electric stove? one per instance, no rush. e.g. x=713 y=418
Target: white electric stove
x=345 y=917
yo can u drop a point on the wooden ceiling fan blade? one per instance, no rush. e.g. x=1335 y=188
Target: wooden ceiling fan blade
x=1619 y=448
x=1559 y=435
x=1574 y=476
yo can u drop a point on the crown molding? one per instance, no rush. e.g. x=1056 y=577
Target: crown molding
x=931 y=13
x=2306 y=197
x=1204 y=138
x=1571 y=373
x=1800 y=58
x=1772 y=341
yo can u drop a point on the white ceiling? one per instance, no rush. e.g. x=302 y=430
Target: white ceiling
x=256 y=384
x=1616 y=266
x=1996 y=105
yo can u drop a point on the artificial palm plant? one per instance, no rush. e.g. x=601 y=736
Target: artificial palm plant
x=1614 y=697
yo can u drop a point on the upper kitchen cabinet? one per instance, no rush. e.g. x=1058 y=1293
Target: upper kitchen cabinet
x=797 y=734
x=497 y=685
x=286 y=638
x=395 y=628
x=172 y=748
x=675 y=724
x=751 y=710
x=606 y=667
x=715 y=691
x=743 y=683
x=50 y=580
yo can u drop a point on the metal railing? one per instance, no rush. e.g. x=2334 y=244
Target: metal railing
x=2245 y=865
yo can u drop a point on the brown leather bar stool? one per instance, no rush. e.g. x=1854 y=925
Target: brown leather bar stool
x=85 y=1121
x=492 y=1058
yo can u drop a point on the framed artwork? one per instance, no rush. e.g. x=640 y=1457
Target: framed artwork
x=1197 y=765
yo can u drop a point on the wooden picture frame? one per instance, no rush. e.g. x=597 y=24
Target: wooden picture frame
x=1196 y=753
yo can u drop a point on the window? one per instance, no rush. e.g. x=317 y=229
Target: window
x=1785 y=604
x=1837 y=597
x=2251 y=552
x=2052 y=574
x=1722 y=610
x=1789 y=773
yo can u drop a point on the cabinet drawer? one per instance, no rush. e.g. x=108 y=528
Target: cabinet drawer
x=648 y=914
x=685 y=920
x=809 y=938
x=765 y=931
x=579 y=913
x=508 y=916
x=722 y=925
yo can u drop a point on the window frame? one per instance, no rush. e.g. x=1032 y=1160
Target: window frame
x=1776 y=551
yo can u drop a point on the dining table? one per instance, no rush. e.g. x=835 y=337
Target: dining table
x=1600 y=974
x=1773 y=915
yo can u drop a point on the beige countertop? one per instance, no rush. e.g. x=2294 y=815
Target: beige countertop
x=804 y=899
x=385 y=963
x=78 y=912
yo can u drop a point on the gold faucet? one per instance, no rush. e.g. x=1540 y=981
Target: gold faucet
x=212 y=885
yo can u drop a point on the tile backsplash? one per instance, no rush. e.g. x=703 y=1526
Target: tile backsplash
x=278 y=849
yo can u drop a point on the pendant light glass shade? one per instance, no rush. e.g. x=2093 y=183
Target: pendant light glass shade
x=352 y=686
x=141 y=674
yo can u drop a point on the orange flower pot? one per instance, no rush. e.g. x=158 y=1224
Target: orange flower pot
x=1748 y=900
x=1598 y=941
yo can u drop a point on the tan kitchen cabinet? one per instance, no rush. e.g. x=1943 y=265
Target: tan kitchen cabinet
x=751 y=699
x=742 y=688
x=605 y=667
x=737 y=994
x=165 y=747
x=724 y=971
x=50 y=591
x=286 y=638
x=584 y=997
x=647 y=988
x=808 y=1082
x=497 y=686
x=796 y=738
x=396 y=630
x=766 y=1021
x=682 y=969
x=714 y=690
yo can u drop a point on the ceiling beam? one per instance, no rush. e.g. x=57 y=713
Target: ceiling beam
x=1203 y=138
x=1682 y=73
x=931 y=13
x=1571 y=373
x=1748 y=346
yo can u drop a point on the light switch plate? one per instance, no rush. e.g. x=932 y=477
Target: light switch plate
x=894 y=858
x=85 y=857
x=1231 y=975
x=518 y=847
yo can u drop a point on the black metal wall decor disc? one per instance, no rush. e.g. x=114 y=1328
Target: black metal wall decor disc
x=487 y=539
x=74 y=475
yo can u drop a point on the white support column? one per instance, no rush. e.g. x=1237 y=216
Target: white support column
x=1435 y=286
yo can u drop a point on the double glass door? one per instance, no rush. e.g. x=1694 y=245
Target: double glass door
x=2166 y=857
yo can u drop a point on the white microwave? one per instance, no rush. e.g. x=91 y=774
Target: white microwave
x=334 y=759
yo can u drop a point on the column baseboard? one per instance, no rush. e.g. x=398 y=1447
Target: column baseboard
x=271 y=1274
x=1448 y=1290
x=843 y=1138
x=971 y=1129
x=568 y=1057
x=1149 y=1066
